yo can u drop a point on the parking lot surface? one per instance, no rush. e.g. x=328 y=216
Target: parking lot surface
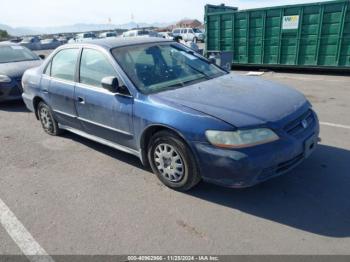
x=75 y=196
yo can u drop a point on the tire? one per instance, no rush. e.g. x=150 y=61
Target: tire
x=172 y=161
x=47 y=120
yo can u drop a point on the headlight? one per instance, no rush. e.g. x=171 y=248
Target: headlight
x=241 y=138
x=4 y=79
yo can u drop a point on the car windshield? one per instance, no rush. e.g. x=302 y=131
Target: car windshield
x=197 y=30
x=163 y=66
x=9 y=54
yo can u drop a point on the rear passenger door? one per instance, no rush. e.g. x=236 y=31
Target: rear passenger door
x=61 y=86
x=102 y=113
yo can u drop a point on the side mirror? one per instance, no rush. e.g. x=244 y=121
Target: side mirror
x=212 y=60
x=112 y=84
x=42 y=57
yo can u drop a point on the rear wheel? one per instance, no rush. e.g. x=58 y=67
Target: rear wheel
x=47 y=120
x=172 y=161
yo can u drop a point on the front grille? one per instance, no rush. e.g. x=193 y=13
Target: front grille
x=295 y=127
x=289 y=164
x=17 y=89
x=280 y=168
x=18 y=79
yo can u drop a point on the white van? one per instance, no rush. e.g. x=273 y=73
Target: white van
x=140 y=33
x=189 y=34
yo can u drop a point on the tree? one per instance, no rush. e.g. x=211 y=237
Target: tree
x=3 y=34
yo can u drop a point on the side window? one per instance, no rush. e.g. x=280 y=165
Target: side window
x=94 y=67
x=64 y=63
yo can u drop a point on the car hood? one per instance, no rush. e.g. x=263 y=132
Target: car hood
x=241 y=101
x=17 y=69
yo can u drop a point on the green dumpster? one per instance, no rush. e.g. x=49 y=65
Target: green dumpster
x=315 y=35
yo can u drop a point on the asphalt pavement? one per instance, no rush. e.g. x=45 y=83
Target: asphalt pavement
x=74 y=196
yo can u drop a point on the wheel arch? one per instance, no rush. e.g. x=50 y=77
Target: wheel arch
x=147 y=134
x=36 y=101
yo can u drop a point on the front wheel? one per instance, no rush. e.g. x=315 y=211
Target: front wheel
x=172 y=161
x=47 y=120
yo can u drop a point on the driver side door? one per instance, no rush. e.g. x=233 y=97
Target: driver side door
x=102 y=113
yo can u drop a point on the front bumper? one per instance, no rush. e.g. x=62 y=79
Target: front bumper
x=250 y=166
x=10 y=91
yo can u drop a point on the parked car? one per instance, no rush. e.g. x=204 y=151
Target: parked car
x=16 y=39
x=108 y=34
x=140 y=33
x=82 y=37
x=166 y=35
x=14 y=60
x=189 y=34
x=51 y=43
x=175 y=110
x=32 y=43
x=63 y=39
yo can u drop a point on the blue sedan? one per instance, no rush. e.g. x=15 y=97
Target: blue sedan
x=179 y=113
x=14 y=61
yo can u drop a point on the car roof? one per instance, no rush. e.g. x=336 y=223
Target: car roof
x=8 y=43
x=109 y=43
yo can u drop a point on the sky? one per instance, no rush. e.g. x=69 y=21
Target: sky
x=44 y=13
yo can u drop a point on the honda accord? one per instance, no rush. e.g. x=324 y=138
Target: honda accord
x=177 y=111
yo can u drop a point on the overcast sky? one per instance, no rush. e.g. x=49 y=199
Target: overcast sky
x=65 y=12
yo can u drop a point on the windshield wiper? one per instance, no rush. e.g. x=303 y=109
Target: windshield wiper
x=183 y=84
x=177 y=85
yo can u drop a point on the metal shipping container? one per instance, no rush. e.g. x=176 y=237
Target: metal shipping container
x=307 y=35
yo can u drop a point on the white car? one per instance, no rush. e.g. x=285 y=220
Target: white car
x=189 y=34
x=82 y=37
x=108 y=34
x=166 y=35
x=141 y=33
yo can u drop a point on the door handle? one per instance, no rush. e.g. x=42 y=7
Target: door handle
x=81 y=100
